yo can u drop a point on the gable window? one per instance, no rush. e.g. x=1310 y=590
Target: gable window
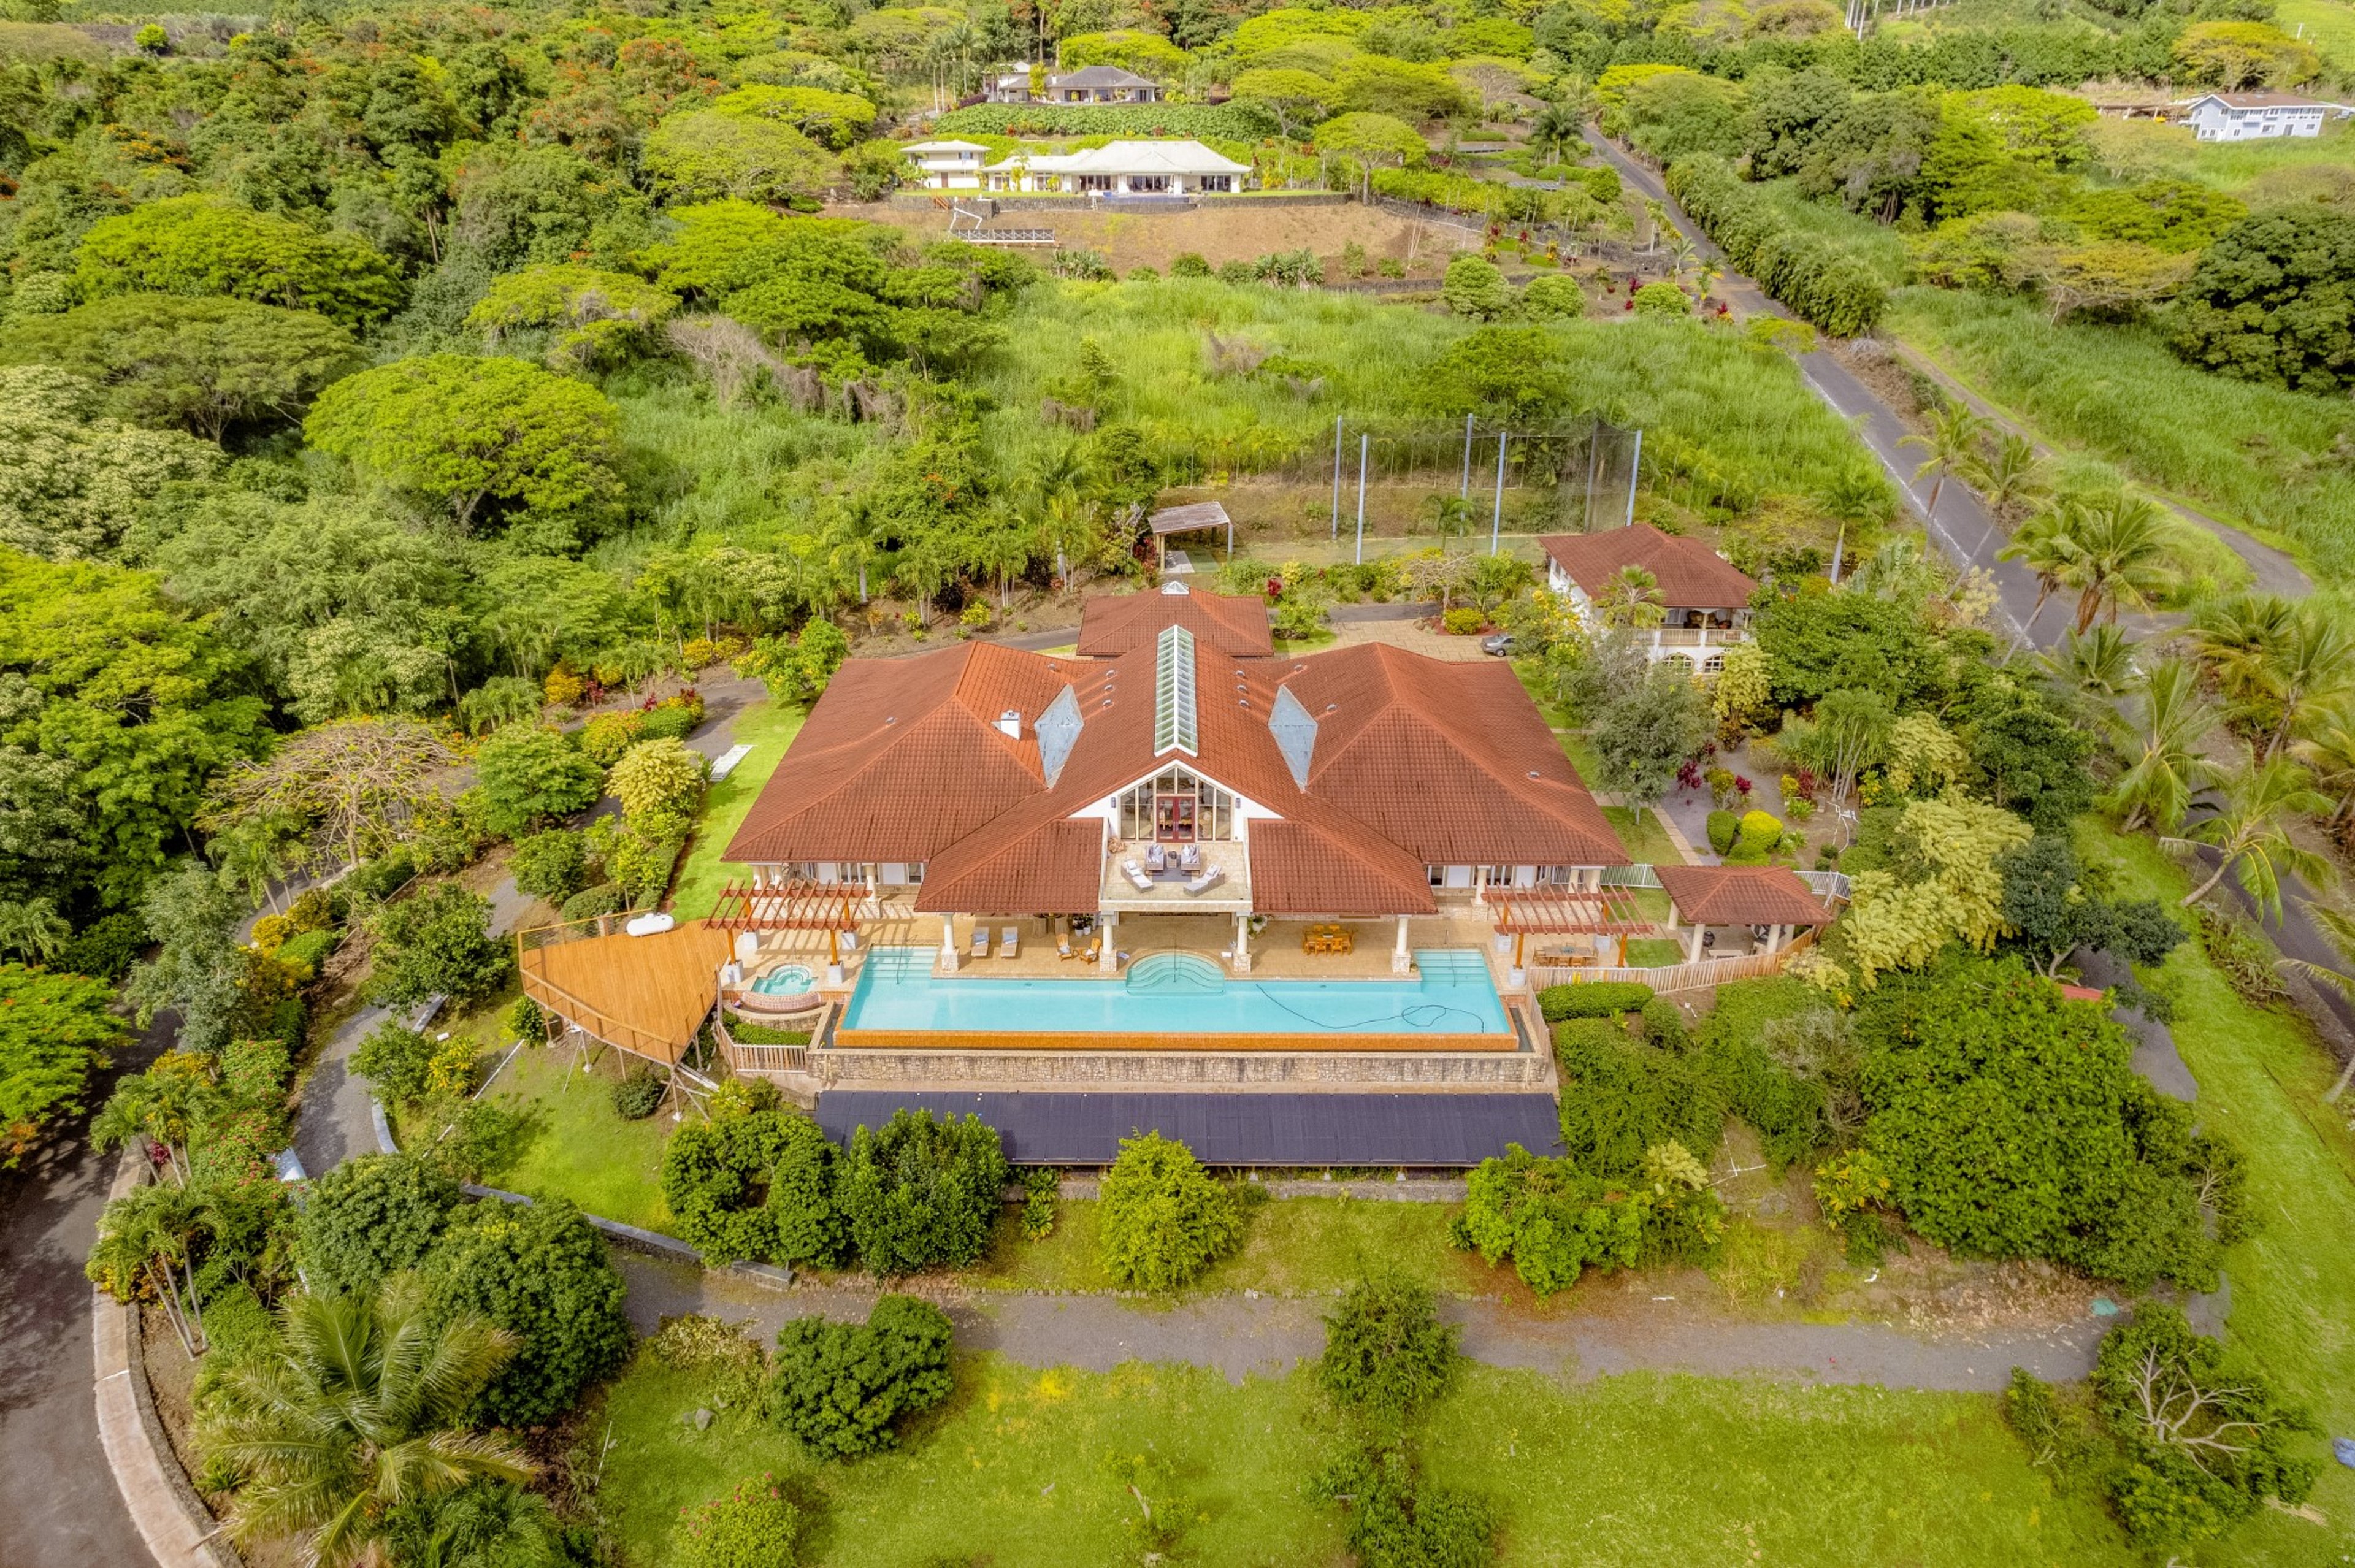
x=1178 y=807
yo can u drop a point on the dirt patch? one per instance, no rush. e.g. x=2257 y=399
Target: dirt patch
x=1218 y=234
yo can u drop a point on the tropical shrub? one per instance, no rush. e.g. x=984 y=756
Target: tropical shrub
x=755 y=1185
x=638 y=1094
x=1386 y=1351
x=530 y=775
x=1724 y=826
x=539 y=1271
x=1163 y=1219
x=1619 y=1097
x=918 y=1193
x=1235 y=121
x=1601 y=999
x=370 y=1217
x=756 y=1525
x=842 y=1388
x=1476 y=288
x=1398 y=1520
x=1553 y=1219
x=104 y=949
x=553 y=865
x=1662 y=298
x=437 y=944
x=1553 y=298
x=1818 y=279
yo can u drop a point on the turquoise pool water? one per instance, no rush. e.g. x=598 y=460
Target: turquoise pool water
x=791 y=980
x=1176 y=993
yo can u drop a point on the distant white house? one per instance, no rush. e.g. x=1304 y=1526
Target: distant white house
x=1103 y=84
x=1121 y=168
x=947 y=166
x=2246 y=116
x=1008 y=83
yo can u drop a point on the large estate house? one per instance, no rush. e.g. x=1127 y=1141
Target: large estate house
x=2253 y=116
x=1121 y=168
x=1290 y=907
x=1703 y=602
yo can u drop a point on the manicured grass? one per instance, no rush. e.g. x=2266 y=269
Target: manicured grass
x=1654 y=951
x=2253 y=456
x=1034 y=1469
x=1291 y=1246
x=1647 y=843
x=768 y=728
x=2261 y=1078
x=578 y=1148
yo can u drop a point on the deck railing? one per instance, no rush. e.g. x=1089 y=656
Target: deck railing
x=582 y=1014
x=1669 y=977
x=742 y=1057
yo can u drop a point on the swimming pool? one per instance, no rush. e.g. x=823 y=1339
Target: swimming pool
x=1177 y=993
x=786 y=980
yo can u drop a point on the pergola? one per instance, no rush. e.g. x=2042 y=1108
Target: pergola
x=1524 y=913
x=1771 y=897
x=1186 y=519
x=829 y=907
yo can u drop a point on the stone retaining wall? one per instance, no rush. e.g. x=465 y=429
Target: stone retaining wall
x=1207 y=1068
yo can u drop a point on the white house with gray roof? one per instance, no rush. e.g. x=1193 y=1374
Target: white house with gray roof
x=1121 y=168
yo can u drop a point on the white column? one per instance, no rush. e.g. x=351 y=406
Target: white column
x=1480 y=884
x=948 y=943
x=1109 y=958
x=1242 y=944
x=1692 y=948
x=1401 y=961
x=1672 y=914
x=1775 y=937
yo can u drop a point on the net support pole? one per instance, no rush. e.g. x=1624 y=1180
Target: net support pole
x=1496 y=518
x=1635 y=467
x=1337 y=477
x=1363 y=443
x=1465 y=493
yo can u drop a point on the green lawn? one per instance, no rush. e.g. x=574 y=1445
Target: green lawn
x=2256 y=457
x=1647 y=843
x=578 y=1148
x=2329 y=26
x=1034 y=1469
x=2261 y=1079
x=768 y=728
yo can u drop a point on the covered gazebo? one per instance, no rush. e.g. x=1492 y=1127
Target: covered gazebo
x=1769 y=899
x=1193 y=518
x=1599 y=914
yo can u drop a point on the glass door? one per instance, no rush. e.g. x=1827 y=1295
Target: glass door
x=1173 y=818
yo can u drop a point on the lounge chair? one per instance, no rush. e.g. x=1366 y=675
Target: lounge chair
x=1190 y=858
x=980 y=942
x=1009 y=941
x=1094 y=951
x=1207 y=881
x=1063 y=947
x=1136 y=874
x=1156 y=858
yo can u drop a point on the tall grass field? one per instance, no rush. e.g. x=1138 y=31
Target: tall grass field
x=2251 y=455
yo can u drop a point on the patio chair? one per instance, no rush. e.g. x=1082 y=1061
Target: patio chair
x=1094 y=951
x=1207 y=881
x=1009 y=941
x=1190 y=858
x=1063 y=947
x=1156 y=858
x=1136 y=877
x=980 y=942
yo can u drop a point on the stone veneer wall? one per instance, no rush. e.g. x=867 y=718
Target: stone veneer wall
x=1207 y=1069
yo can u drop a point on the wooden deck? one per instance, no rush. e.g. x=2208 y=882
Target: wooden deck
x=646 y=995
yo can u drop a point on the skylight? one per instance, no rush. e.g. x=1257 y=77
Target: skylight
x=1173 y=722
x=1059 y=731
x=1295 y=728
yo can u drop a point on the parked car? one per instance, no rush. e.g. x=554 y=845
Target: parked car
x=1499 y=644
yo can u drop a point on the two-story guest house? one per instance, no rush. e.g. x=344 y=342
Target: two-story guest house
x=1702 y=602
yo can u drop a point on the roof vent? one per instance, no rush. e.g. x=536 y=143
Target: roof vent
x=891 y=719
x=1175 y=588
x=1010 y=723
x=1534 y=775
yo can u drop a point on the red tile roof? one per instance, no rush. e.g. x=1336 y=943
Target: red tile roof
x=1690 y=574
x=1741 y=895
x=1415 y=762
x=1230 y=623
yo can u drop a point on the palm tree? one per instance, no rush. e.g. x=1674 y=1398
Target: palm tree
x=2045 y=546
x=2328 y=749
x=150 y=1233
x=2311 y=666
x=359 y=1409
x=2160 y=737
x=2014 y=477
x=1631 y=598
x=2250 y=831
x=31 y=928
x=159 y=1105
x=1557 y=130
x=2338 y=930
x=1683 y=259
x=2118 y=551
x=2099 y=663
x=2235 y=637
x=1952 y=446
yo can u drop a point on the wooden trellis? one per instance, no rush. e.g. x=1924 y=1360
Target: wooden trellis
x=1524 y=913
x=831 y=907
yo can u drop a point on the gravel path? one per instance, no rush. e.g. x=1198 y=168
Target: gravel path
x=1239 y=1335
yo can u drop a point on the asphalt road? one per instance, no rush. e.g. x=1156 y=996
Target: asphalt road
x=1963 y=531
x=59 y=1505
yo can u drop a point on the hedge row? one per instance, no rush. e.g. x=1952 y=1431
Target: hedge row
x=1232 y=121
x=1593 y=999
x=1810 y=274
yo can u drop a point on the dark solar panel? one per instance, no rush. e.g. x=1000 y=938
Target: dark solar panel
x=1051 y=1128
